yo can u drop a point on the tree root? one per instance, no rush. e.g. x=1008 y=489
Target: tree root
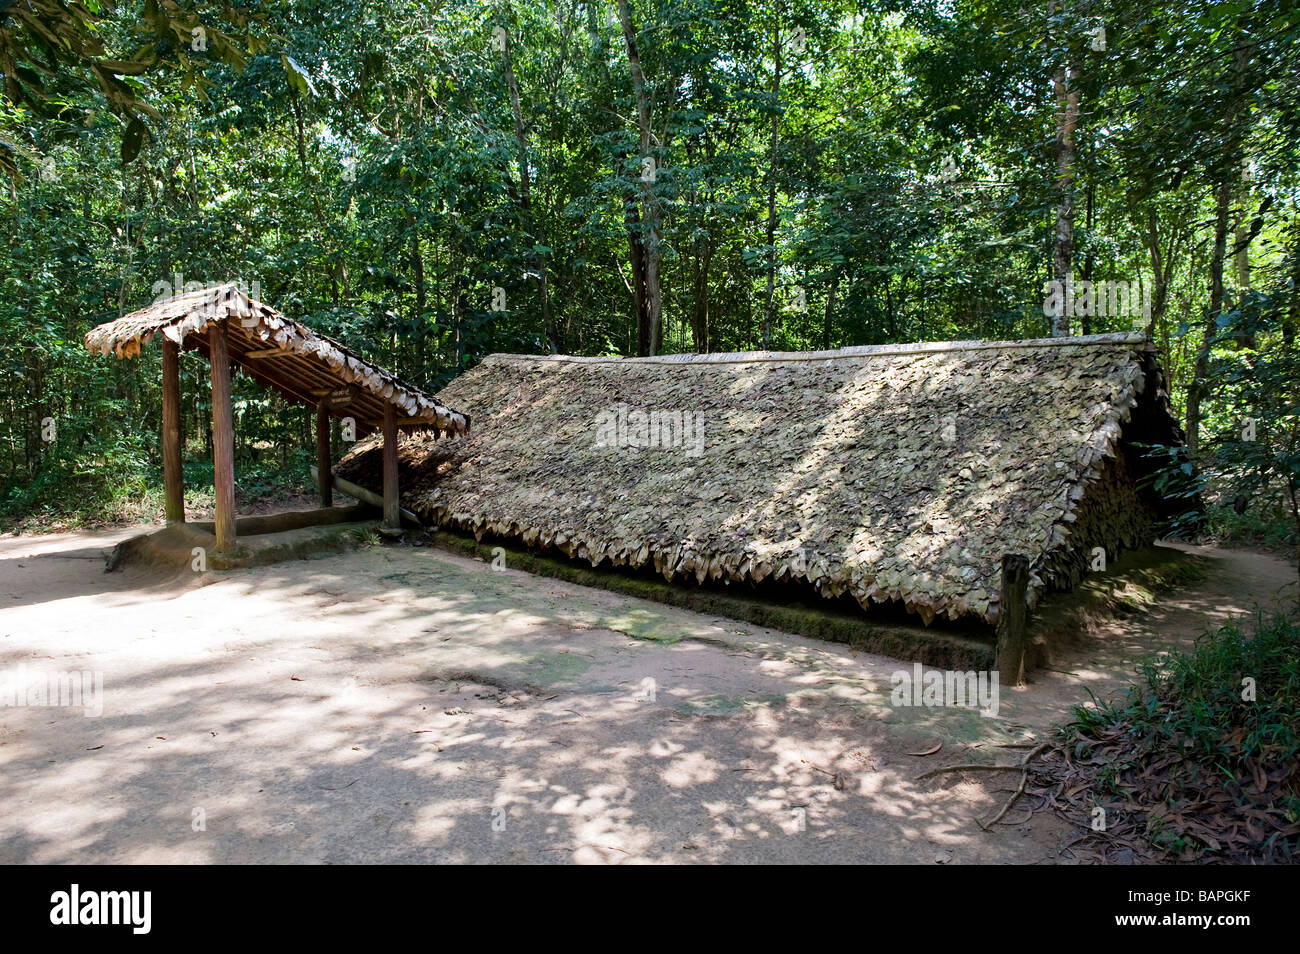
x=1020 y=789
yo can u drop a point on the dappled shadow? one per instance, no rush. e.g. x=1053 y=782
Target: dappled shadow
x=398 y=705
x=409 y=705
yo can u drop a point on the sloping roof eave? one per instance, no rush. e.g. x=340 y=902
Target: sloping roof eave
x=302 y=364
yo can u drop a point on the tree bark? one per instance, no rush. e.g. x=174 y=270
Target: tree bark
x=535 y=260
x=650 y=242
x=1292 y=319
x=1201 y=369
x=700 y=295
x=1161 y=269
x=1067 y=102
x=421 y=287
x=636 y=259
x=773 y=144
x=1233 y=136
x=829 y=317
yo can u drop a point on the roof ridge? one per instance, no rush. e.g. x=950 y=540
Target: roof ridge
x=856 y=351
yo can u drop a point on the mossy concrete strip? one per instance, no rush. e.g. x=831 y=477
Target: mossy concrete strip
x=1129 y=586
x=932 y=647
x=174 y=546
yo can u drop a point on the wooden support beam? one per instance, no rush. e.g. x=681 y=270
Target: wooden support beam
x=323 y=482
x=173 y=479
x=392 y=510
x=223 y=438
x=1013 y=620
x=265 y=353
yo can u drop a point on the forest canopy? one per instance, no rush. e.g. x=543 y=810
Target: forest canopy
x=432 y=182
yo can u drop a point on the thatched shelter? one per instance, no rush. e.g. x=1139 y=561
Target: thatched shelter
x=305 y=366
x=895 y=473
x=232 y=330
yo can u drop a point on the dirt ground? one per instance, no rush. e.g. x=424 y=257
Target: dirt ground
x=401 y=704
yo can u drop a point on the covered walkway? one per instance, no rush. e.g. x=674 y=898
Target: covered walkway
x=231 y=329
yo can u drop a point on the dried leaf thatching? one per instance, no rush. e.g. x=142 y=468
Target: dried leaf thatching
x=303 y=365
x=900 y=472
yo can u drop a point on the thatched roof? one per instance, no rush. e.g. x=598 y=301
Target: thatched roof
x=899 y=472
x=278 y=352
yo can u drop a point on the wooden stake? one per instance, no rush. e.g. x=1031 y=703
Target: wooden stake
x=173 y=479
x=223 y=438
x=324 y=483
x=392 y=515
x=1013 y=620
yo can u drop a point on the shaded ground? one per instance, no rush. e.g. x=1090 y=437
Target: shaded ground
x=400 y=704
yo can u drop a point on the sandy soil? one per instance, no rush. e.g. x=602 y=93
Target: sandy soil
x=407 y=705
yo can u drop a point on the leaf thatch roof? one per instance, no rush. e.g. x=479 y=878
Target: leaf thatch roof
x=899 y=472
x=278 y=352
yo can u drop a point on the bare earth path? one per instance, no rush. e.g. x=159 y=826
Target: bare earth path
x=400 y=704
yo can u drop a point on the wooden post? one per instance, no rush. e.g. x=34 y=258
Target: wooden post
x=324 y=483
x=392 y=515
x=1013 y=620
x=173 y=479
x=223 y=438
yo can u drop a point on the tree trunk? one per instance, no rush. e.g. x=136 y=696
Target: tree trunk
x=829 y=316
x=312 y=188
x=700 y=294
x=421 y=289
x=535 y=260
x=1067 y=102
x=773 y=144
x=1292 y=319
x=1196 y=392
x=33 y=444
x=650 y=242
x=636 y=259
x=1160 y=271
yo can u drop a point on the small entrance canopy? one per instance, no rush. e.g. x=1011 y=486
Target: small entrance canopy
x=227 y=327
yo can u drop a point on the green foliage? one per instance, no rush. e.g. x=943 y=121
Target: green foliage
x=1256 y=446
x=51 y=48
x=1220 y=718
x=360 y=163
